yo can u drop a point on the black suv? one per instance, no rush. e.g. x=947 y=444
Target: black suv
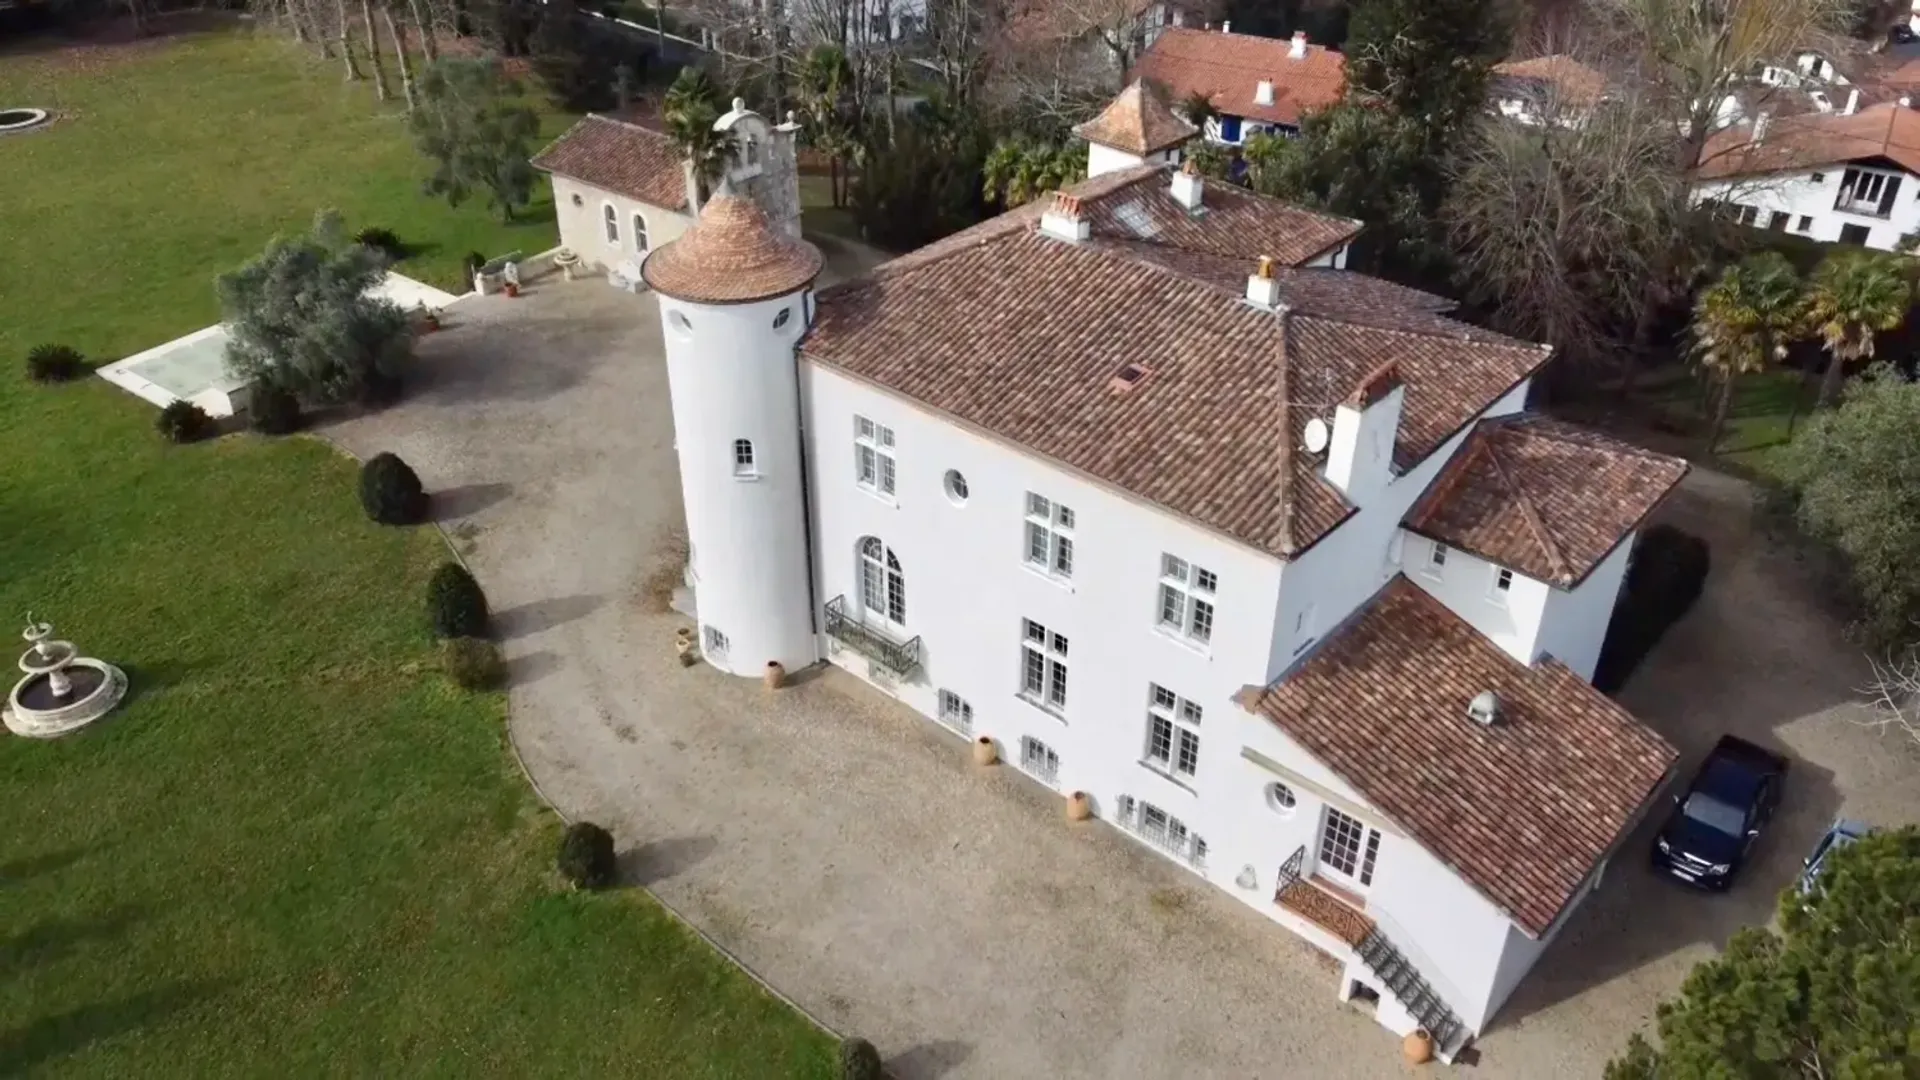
x=1716 y=820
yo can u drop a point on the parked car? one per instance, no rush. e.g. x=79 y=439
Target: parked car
x=1716 y=821
x=1839 y=835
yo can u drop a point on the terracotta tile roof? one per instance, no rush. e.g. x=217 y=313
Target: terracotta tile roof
x=1523 y=809
x=731 y=256
x=1228 y=69
x=1570 y=80
x=1019 y=334
x=620 y=157
x=1139 y=121
x=1813 y=139
x=1543 y=498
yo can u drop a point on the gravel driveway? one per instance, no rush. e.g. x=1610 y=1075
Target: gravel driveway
x=848 y=851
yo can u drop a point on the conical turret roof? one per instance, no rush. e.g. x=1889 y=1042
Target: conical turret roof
x=731 y=256
x=1139 y=121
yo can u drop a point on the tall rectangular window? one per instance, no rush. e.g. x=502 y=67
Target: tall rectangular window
x=1043 y=666
x=1049 y=536
x=873 y=456
x=1173 y=732
x=1348 y=848
x=1186 y=599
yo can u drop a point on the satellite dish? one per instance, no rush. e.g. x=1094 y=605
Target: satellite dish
x=1316 y=436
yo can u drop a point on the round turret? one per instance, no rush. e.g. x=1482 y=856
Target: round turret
x=734 y=303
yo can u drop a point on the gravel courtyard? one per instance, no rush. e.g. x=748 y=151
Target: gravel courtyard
x=850 y=853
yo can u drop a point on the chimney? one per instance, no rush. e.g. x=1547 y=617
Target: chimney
x=1226 y=27
x=1365 y=426
x=1853 y=102
x=1187 y=187
x=1760 y=125
x=1298 y=50
x=1261 y=288
x=1064 y=220
x=1263 y=92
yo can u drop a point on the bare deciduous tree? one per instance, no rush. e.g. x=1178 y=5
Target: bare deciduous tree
x=400 y=56
x=373 y=51
x=346 y=43
x=1893 y=695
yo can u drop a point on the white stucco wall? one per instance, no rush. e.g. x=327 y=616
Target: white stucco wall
x=1465 y=585
x=582 y=227
x=732 y=376
x=1800 y=196
x=1575 y=623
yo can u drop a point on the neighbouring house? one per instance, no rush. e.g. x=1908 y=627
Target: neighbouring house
x=1263 y=561
x=1253 y=84
x=1557 y=88
x=1845 y=177
x=622 y=189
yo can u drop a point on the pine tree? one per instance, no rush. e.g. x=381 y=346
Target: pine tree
x=1427 y=60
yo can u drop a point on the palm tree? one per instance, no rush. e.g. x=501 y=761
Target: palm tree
x=691 y=108
x=1742 y=323
x=1017 y=172
x=1854 y=295
x=825 y=77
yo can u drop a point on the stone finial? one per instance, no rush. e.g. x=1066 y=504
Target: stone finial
x=1265 y=270
x=739 y=104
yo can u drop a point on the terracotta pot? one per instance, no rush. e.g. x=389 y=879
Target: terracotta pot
x=984 y=752
x=775 y=676
x=684 y=634
x=1417 y=1047
x=1079 y=806
x=432 y=323
x=684 y=647
x=512 y=289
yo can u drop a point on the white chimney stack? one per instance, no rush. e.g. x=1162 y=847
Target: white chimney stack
x=1365 y=427
x=1263 y=92
x=1064 y=220
x=1760 y=125
x=1298 y=49
x=1226 y=27
x=1262 y=289
x=1853 y=102
x=1188 y=187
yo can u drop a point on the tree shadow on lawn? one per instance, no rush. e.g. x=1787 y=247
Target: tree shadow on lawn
x=48 y=939
x=51 y=1037
x=28 y=867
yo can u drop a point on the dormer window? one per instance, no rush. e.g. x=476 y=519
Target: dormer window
x=1502 y=585
x=1129 y=377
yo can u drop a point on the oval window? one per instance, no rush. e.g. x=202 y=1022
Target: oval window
x=680 y=322
x=956 y=487
x=1280 y=799
x=780 y=320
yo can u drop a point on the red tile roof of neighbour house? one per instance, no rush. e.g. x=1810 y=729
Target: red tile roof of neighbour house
x=1522 y=809
x=1543 y=498
x=731 y=256
x=1139 y=121
x=1809 y=140
x=1570 y=80
x=1228 y=69
x=620 y=157
x=1020 y=334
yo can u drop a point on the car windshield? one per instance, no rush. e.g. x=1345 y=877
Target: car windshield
x=1714 y=814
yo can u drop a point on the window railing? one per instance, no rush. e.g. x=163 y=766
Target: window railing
x=902 y=658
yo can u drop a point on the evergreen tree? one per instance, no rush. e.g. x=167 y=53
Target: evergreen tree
x=1427 y=60
x=477 y=132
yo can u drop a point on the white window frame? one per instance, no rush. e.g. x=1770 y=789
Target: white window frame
x=1048 y=536
x=716 y=644
x=745 y=466
x=639 y=234
x=874 y=466
x=955 y=713
x=1039 y=761
x=1501 y=586
x=1306 y=628
x=1347 y=850
x=1185 y=600
x=883 y=584
x=610 y=223
x=1436 y=564
x=1043 y=667
x=1173 y=734
x=1160 y=829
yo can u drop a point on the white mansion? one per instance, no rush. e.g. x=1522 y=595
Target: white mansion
x=1265 y=557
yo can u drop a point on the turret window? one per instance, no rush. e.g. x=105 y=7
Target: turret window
x=781 y=320
x=743 y=465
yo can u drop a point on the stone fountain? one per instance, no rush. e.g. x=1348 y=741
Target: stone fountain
x=63 y=691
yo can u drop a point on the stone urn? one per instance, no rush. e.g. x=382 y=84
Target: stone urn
x=984 y=752
x=776 y=675
x=683 y=646
x=1417 y=1047
x=1079 y=806
x=567 y=261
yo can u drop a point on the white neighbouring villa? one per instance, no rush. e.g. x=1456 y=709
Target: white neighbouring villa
x=1265 y=557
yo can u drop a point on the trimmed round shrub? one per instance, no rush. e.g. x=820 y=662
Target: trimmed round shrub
x=273 y=411
x=184 y=422
x=390 y=491
x=472 y=264
x=1667 y=574
x=384 y=241
x=474 y=663
x=55 y=363
x=586 y=856
x=456 y=604
x=859 y=1060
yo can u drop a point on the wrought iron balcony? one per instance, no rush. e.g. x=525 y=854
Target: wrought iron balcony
x=902 y=658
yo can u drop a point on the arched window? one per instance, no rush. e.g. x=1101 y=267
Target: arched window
x=883 y=588
x=752 y=155
x=743 y=458
x=639 y=234
x=612 y=218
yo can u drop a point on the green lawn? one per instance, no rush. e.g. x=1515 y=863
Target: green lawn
x=295 y=850
x=1757 y=421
